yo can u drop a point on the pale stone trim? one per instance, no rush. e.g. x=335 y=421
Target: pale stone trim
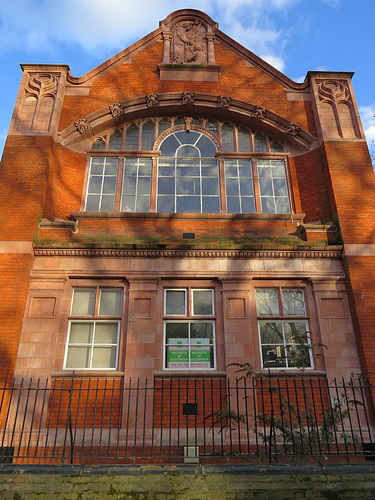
x=16 y=247
x=365 y=250
x=59 y=224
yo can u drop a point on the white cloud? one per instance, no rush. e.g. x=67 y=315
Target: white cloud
x=368 y=121
x=276 y=62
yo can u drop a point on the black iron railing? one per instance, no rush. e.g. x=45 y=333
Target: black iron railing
x=103 y=421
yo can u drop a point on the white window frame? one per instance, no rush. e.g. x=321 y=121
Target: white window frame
x=94 y=319
x=190 y=319
x=283 y=319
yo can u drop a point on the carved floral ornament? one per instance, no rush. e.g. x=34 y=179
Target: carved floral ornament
x=258 y=112
x=223 y=102
x=41 y=84
x=152 y=100
x=82 y=125
x=334 y=91
x=293 y=129
x=116 y=109
x=188 y=98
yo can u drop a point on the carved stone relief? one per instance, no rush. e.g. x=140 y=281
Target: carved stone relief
x=38 y=103
x=336 y=109
x=258 y=112
x=152 y=100
x=82 y=125
x=189 y=43
x=293 y=130
x=188 y=98
x=223 y=102
x=116 y=109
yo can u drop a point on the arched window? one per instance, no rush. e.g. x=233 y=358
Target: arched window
x=196 y=165
x=188 y=174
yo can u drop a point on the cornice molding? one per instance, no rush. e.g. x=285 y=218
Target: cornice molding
x=194 y=254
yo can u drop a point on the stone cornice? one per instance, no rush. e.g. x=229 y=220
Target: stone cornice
x=334 y=253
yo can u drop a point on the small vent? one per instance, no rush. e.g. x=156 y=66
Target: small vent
x=190 y=409
x=188 y=236
x=6 y=454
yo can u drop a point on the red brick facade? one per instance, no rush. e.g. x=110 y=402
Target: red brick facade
x=321 y=245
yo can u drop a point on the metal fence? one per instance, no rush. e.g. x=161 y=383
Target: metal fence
x=104 y=421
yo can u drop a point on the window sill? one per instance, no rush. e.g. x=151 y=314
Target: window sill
x=291 y=372
x=87 y=373
x=182 y=216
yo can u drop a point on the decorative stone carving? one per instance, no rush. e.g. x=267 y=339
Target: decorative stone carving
x=258 y=112
x=116 y=109
x=82 y=125
x=293 y=130
x=223 y=102
x=334 y=91
x=189 y=43
x=188 y=98
x=152 y=100
x=41 y=85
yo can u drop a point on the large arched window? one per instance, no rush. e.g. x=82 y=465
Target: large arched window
x=187 y=165
x=188 y=174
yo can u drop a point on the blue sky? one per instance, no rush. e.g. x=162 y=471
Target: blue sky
x=295 y=36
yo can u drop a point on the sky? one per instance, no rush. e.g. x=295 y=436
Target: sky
x=295 y=36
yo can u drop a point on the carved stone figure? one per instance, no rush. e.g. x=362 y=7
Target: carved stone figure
x=188 y=98
x=292 y=130
x=116 y=109
x=152 y=100
x=82 y=125
x=258 y=112
x=189 y=43
x=223 y=102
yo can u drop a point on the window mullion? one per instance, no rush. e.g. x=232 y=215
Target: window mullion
x=92 y=344
x=258 y=201
x=119 y=184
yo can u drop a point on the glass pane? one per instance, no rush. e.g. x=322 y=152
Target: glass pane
x=280 y=188
x=211 y=125
x=246 y=187
x=188 y=151
x=104 y=357
x=273 y=356
x=282 y=205
x=144 y=185
x=109 y=185
x=179 y=121
x=108 y=202
x=298 y=356
x=244 y=144
x=111 y=165
x=186 y=137
x=267 y=302
x=169 y=146
x=233 y=205
x=206 y=146
x=78 y=357
x=293 y=302
x=143 y=203
x=211 y=204
x=97 y=166
x=268 y=205
x=83 y=302
x=145 y=165
x=260 y=144
x=148 y=136
x=201 y=357
x=227 y=137
x=188 y=204
x=95 y=184
x=98 y=144
x=271 y=332
x=166 y=204
x=197 y=122
x=175 y=302
x=232 y=186
x=248 y=205
x=278 y=168
x=177 y=333
x=131 y=138
x=164 y=125
x=295 y=332
x=166 y=185
x=210 y=185
x=110 y=302
x=106 y=333
x=202 y=303
x=93 y=203
x=201 y=333
x=130 y=185
x=266 y=187
x=188 y=186
x=80 y=333
x=128 y=204
x=115 y=141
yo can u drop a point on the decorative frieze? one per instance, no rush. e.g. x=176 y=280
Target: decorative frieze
x=204 y=254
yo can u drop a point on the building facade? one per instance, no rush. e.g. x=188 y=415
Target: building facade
x=184 y=208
